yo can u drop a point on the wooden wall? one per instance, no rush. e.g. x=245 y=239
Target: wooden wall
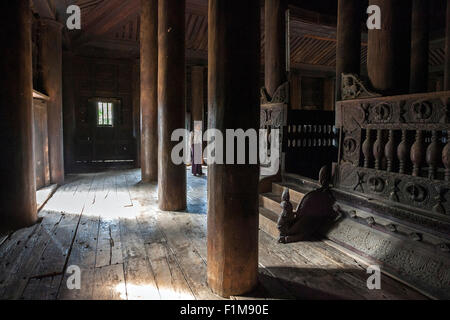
x=41 y=143
x=312 y=91
x=103 y=78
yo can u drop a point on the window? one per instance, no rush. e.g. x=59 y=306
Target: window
x=104 y=114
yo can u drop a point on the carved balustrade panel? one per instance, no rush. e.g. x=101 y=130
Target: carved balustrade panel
x=396 y=150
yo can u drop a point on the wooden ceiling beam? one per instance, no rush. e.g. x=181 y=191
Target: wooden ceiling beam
x=107 y=16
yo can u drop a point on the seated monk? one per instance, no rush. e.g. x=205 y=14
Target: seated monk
x=315 y=209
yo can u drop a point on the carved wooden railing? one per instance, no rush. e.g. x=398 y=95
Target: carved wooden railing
x=309 y=142
x=397 y=150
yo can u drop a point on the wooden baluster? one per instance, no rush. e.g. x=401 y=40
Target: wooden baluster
x=446 y=157
x=389 y=151
x=367 y=148
x=378 y=149
x=417 y=153
x=433 y=155
x=402 y=152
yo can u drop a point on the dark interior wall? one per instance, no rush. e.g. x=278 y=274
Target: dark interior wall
x=103 y=78
x=312 y=91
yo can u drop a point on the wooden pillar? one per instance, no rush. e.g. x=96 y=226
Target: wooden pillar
x=348 y=52
x=388 y=50
x=171 y=101
x=51 y=55
x=149 y=90
x=233 y=102
x=69 y=115
x=419 y=46
x=17 y=173
x=136 y=100
x=447 y=50
x=197 y=93
x=275 y=44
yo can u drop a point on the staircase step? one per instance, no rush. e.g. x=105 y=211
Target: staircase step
x=272 y=202
x=295 y=192
x=299 y=181
x=268 y=222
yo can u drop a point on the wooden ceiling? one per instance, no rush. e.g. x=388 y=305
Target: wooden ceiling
x=111 y=27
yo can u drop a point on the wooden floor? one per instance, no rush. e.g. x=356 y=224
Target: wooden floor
x=109 y=226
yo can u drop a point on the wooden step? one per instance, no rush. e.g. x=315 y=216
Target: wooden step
x=295 y=192
x=272 y=202
x=301 y=182
x=268 y=222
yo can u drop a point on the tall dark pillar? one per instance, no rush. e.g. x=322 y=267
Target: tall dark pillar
x=233 y=102
x=68 y=111
x=171 y=101
x=136 y=100
x=447 y=51
x=419 y=46
x=389 y=49
x=348 y=53
x=17 y=175
x=275 y=44
x=51 y=55
x=197 y=93
x=149 y=90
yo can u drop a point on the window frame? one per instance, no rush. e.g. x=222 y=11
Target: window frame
x=103 y=105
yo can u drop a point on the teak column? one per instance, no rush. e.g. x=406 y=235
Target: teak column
x=389 y=49
x=171 y=101
x=275 y=44
x=197 y=93
x=447 y=51
x=419 y=46
x=233 y=102
x=149 y=90
x=18 y=195
x=68 y=111
x=348 y=52
x=51 y=62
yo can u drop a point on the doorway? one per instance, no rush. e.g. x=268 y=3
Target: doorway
x=108 y=140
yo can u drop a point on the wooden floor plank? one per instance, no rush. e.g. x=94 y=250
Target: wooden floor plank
x=42 y=288
x=175 y=227
x=109 y=249
x=140 y=281
x=109 y=283
x=57 y=251
x=18 y=267
x=303 y=278
x=110 y=226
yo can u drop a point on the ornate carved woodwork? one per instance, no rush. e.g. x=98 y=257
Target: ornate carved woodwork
x=314 y=211
x=446 y=157
x=273 y=116
x=353 y=87
x=418 y=258
x=389 y=151
x=407 y=169
x=417 y=153
x=281 y=95
x=433 y=154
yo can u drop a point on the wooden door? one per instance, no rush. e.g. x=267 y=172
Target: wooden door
x=104 y=120
x=41 y=143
